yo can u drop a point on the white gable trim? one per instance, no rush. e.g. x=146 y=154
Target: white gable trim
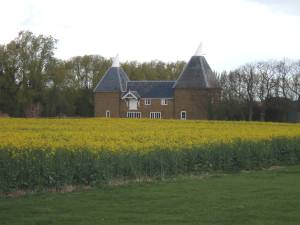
x=129 y=94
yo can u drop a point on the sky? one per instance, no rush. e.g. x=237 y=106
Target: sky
x=233 y=32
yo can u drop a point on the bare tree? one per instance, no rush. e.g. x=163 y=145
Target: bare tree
x=284 y=69
x=294 y=83
x=266 y=84
x=250 y=84
x=267 y=79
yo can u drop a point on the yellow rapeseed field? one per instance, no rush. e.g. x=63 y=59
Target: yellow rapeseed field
x=52 y=153
x=134 y=135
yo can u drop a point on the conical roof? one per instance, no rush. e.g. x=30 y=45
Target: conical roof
x=114 y=79
x=197 y=73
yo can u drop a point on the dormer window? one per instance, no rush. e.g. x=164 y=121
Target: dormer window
x=164 y=101
x=147 y=101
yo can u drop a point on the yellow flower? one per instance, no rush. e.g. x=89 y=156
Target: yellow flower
x=131 y=135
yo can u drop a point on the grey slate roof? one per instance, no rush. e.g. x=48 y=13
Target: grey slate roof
x=152 y=89
x=196 y=74
x=115 y=79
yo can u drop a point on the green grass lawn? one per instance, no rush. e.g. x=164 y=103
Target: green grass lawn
x=254 y=198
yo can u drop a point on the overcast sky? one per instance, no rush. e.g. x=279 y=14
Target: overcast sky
x=233 y=32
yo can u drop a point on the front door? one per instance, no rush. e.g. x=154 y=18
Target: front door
x=133 y=104
x=183 y=115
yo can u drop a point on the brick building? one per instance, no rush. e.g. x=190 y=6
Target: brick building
x=191 y=96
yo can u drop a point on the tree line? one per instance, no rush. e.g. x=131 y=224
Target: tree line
x=31 y=76
x=266 y=90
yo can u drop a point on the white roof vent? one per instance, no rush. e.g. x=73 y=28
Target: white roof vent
x=116 y=62
x=199 y=51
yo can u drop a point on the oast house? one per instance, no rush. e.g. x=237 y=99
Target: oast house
x=189 y=97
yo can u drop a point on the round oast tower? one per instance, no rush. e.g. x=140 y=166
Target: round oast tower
x=108 y=91
x=196 y=90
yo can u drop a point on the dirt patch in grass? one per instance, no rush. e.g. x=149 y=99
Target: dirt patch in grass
x=64 y=189
x=272 y=168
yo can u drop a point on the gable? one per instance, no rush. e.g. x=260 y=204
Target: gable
x=131 y=94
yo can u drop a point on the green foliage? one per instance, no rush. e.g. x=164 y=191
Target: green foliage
x=247 y=198
x=25 y=62
x=39 y=169
x=30 y=74
x=32 y=78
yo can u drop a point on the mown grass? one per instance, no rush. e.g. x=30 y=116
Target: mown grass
x=268 y=197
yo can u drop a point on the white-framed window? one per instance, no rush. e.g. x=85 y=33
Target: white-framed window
x=134 y=115
x=107 y=114
x=164 y=101
x=183 y=115
x=147 y=101
x=155 y=115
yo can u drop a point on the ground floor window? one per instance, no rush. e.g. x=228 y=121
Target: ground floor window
x=134 y=115
x=155 y=115
x=183 y=115
x=107 y=113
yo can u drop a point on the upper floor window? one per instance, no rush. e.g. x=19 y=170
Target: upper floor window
x=164 y=101
x=147 y=101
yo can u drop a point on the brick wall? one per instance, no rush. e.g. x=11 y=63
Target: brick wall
x=167 y=111
x=3 y=114
x=107 y=101
x=193 y=101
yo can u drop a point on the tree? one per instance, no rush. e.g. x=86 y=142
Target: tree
x=8 y=79
x=232 y=105
x=266 y=84
x=294 y=84
x=27 y=59
x=283 y=69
